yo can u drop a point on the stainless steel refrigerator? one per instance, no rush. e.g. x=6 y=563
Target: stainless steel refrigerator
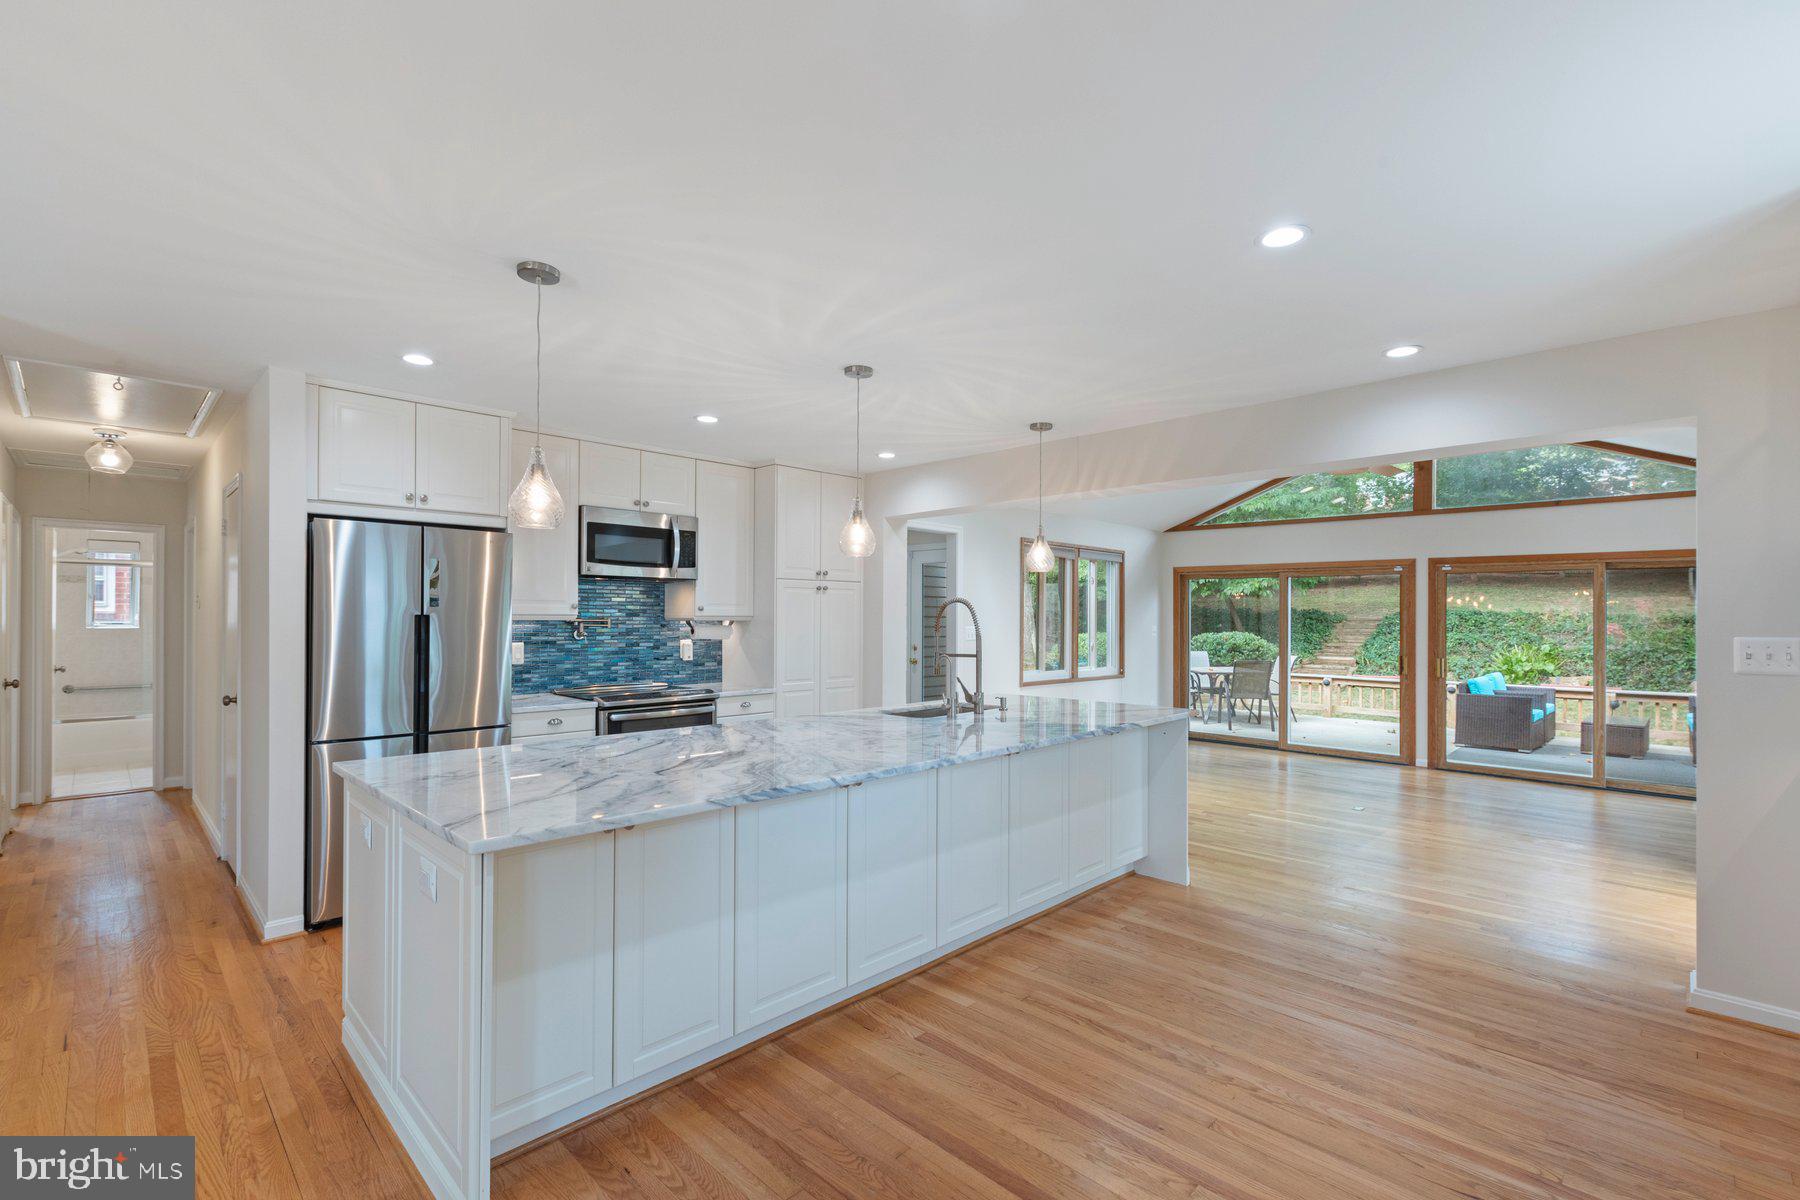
x=406 y=653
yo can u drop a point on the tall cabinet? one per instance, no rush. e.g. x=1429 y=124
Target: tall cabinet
x=809 y=644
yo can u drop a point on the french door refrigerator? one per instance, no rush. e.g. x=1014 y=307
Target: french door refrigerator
x=406 y=653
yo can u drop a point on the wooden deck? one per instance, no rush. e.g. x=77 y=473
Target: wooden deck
x=1384 y=983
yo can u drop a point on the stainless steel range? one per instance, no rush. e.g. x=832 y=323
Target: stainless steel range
x=636 y=707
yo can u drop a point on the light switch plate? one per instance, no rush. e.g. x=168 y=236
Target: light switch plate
x=518 y=654
x=428 y=878
x=1765 y=656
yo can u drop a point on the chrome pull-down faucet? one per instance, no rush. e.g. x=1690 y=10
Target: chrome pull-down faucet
x=944 y=657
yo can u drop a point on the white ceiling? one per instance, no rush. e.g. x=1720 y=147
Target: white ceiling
x=1012 y=210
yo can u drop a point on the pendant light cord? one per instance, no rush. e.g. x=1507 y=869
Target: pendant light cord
x=859 y=436
x=538 y=433
x=1040 y=483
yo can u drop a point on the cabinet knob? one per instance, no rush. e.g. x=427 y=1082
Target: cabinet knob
x=409 y=497
x=743 y=704
x=228 y=701
x=424 y=499
x=825 y=573
x=699 y=608
x=12 y=683
x=554 y=721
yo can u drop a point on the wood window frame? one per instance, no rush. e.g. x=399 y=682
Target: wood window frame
x=1072 y=663
x=1425 y=495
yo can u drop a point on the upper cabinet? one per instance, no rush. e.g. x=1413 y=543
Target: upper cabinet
x=725 y=509
x=618 y=477
x=806 y=511
x=545 y=561
x=385 y=452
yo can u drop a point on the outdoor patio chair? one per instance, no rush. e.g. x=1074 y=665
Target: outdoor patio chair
x=1249 y=685
x=1205 y=690
x=1693 y=718
x=1520 y=718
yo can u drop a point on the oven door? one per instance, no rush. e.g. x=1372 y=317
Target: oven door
x=628 y=544
x=662 y=716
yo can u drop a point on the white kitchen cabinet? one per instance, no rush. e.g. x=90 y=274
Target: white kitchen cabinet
x=366 y=448
x=666 y=484
x=546 y=570
x=1038 y=838
x=1091 y=773
x=725 y=510
x=610 y=475
x=972 y=815
x=893 y=872
x=1131 y=796
x=787 y=505
x=553 y=978
x=368 y=889
x=796 y=621
x=837 y=494
x=792 y=880
x=456 y=469
x=840 y=647
x=672 y=952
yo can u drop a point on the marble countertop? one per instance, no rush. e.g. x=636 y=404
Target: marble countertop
x=526 y=702
x=499 y=797
x=727 y=693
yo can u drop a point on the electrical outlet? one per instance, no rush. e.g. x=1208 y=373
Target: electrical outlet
x=687 y=649
x=1765 y=656
x=518 y=654
x=428 y=878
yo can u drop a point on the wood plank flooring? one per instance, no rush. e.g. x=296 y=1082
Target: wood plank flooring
x=1384 y=983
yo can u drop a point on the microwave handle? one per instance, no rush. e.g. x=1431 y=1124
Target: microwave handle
x=675 y=559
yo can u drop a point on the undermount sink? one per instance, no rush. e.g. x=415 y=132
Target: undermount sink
x=933 y=710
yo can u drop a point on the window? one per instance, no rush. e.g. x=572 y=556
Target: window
x=112 y=592
x=1070 y=617
x=1322 y=496
x=1543 y=474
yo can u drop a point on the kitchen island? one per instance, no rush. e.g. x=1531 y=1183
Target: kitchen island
x=535 y=933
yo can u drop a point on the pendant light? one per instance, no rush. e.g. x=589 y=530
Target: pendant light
x=535 y=503
x=858 y=537
x=1040 y=558
x=107 y=456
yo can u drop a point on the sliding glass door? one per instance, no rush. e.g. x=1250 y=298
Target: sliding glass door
x=1570 y=669
x=1300 y=656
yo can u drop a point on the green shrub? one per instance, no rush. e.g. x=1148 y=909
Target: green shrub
x=1643 y=654
x=1529 y=664
x=1310 y=631
x=1651 y=654
x=1226 y=648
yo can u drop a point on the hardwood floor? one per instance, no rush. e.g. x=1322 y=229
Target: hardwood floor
x=1384 y=983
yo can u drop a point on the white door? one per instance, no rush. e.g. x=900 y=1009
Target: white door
x=972 y=815
x=791 y=904
x=546 y=579
x=837 y=495
x=1090 y=808
x=797 y=648
x=927 y=587
x=666 y=484
x=796 y=524
x=840 y=647
x=9 y=664
x=725 y=509
x=1131 y=795
x=1038 y=840
x=231 y=713
x=609 y=476
x=458 y=466
x=366 y=449
x=672 y=941
x=893 y=872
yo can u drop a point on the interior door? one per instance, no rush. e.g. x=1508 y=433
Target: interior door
x=927 y=589
x=230 y=712
x=9 y=664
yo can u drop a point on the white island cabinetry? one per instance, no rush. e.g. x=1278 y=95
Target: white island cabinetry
x=507 y=972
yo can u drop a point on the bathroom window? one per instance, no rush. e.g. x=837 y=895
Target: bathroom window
x=1071 y=616
x=112 y=593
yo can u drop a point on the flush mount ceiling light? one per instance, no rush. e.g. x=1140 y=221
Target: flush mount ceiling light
x=884 y=454
x=707 y=419
x=858 y=537
x=1404 y=351
x=107 y=456
x=535 y=503
x=1040 y=558
x=415 y=359
x=1283 y=236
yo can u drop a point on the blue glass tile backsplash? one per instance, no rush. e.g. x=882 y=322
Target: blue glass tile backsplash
x=638 y=646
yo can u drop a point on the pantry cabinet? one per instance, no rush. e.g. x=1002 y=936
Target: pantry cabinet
x=817 y=639
x=370 y=450
x=725 y=510
x=800 y=514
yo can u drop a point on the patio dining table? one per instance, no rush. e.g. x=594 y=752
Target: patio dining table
x=1213 y=675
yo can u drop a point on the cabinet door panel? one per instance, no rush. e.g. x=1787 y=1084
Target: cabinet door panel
x=366 y=449
x=725 y=508
x=546 y=576
x=673 y=948
x=1131 y=795
x=840 y=647
x=972 y=816
x=796 y=524
x=666 y=484
x=1090 y=808
x=797 y=647
x=458 y=467
x=367 y=892
x=893 y=875
x=791 y=901
x=1038 y=840
x=610 y=475
x=837 y=493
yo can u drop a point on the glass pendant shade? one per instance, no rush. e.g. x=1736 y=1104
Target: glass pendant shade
x=108 y=457
x=858 y=536
x=1040 y=558
x=535 y=503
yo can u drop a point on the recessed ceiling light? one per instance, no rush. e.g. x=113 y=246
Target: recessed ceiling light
x=707 y=419
x=1404 y=351
x=1283 y=236
x=415 y=359
x=884 y=454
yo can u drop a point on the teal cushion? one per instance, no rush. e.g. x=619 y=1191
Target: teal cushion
x=1537 y=714
x=1690 y=718
x=1549 y=706
x=1497 y=679
x=1481 y=686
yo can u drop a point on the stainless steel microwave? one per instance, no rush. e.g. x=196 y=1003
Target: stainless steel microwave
x=630 y=544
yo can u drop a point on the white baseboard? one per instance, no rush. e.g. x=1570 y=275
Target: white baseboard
x=270 y=930
x=174 y=781
x=207 y=823
x=1753 y=1011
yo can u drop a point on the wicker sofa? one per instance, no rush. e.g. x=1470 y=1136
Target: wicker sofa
x=1520 y=718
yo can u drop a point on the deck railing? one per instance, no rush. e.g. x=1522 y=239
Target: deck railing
x=1377 y=697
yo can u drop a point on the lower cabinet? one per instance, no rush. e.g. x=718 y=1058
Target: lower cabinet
x=1090 y=809
x=1131 y=796
x=893 y=872
x=673 y=950
x=972 y=814
x=368 y=889
x=1038 y=859
x=792 y=900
